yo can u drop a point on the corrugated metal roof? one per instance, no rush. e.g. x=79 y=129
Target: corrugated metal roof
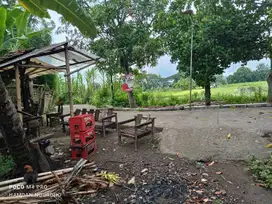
x=50 y=60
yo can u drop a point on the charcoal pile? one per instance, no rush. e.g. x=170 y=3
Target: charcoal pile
x=167 y=191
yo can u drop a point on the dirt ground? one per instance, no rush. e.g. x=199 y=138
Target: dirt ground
x=196 y=181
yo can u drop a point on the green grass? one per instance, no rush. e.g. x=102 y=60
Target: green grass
x=225 y=89
x=254 y=92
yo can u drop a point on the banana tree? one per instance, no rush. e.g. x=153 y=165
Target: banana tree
x=14 y=30
x=69 y=9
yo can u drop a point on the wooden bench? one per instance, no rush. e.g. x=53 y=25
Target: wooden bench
x=66 y=123
x=137 y=131
x=50 y=117
x=104 y=122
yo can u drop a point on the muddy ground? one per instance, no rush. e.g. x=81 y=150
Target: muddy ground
x=168 y=178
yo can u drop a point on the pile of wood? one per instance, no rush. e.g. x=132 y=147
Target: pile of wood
x=61 y=186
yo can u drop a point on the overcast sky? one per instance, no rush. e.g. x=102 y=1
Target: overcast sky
x=164 y=67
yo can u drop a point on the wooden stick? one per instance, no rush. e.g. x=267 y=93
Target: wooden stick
x=83 y=192
x=60 y=184
x=4 y=188
x=18 y=90
x=64 y=171
x=77 y=168
x=20 y=197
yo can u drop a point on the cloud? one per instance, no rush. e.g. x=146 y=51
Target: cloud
x=164 y=68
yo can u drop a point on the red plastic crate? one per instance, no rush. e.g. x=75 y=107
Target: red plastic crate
x=81 y=123
x=83 y=138
x=83 y=152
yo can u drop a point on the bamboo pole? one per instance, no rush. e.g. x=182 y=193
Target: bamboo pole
x=18 y=91
x=69 y=82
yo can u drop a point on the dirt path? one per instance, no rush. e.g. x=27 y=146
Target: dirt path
x=202 y=134
x=236 y=183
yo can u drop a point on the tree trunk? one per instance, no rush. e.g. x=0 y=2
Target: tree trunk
x=112 y=88
x=131 y=97
x=12 y=130
x=269 y=81
x=207 y=88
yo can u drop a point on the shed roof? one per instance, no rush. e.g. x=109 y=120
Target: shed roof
x=48 y=60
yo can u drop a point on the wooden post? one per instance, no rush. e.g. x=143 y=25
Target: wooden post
x=18 y=91
x=69 y=82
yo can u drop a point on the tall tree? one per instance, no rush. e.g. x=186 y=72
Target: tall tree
x=125 y=33
x=262 y=72
x=224 y=32
x=243 y=74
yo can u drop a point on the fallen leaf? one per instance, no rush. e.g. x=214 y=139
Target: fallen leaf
x=199 y=191
x=217 y=192
x=206 y=200
x=144 y=170
x=205 y=174
x=219 y=172
x=269 y=145
x=223 y=192
x=229 y=135
x=132 y=181
x=178 y=154
x=211 y=163
x=172 y=159
x=204 y=180
x=260 y=184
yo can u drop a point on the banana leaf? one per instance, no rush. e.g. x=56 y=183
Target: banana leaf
x=33 y=7
x=3 y=17
x=69 y=9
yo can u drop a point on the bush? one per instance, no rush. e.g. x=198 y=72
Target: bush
x=261 y=170
x=6 y=163
x=184 y=84
x=120 y=100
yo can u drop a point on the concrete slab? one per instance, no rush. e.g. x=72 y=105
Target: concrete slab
x=202 y=134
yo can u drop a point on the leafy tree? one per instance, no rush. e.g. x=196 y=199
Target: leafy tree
x=18 y=32
x=184 y=84
x=220 y=80
x=262 y=72
x=209 y=58
x=126 y=38
x=7 y=3
x=224 y=32
x=176 y=77
x=243 y=74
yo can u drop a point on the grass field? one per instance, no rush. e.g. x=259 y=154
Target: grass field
x=231 y=93
x=224 y=89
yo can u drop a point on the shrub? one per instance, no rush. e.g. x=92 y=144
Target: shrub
x=6 y=163
x=261 y=170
